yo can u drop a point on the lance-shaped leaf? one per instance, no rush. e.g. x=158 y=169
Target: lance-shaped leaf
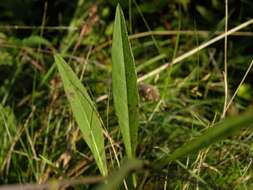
x=124 y=83
x=213 y=134
x=84 y=112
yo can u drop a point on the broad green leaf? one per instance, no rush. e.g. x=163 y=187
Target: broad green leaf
x=213 y=134
x=124 y=83
x=116 y=179
x=84 y=112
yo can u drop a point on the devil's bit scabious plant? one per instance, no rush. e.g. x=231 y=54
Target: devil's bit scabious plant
x=126 y=101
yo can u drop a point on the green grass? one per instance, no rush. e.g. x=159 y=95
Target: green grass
x=56 y=128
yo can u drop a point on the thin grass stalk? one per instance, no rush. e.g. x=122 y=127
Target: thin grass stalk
x=243 y=79
x=225 y=62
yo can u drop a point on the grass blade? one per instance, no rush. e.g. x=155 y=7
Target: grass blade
x=84 y=112
x=116 y=179
x=220 y=131
x=8 y=129
x=124 y=82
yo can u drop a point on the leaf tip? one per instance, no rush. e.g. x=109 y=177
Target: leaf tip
x=118 y=9
x=118 y=6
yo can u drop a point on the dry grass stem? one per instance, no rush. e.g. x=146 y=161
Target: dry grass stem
x=187 y=54
x=225 y=62
x=244 y=77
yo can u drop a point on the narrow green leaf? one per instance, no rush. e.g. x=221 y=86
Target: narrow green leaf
x=213 y=134
x=116 y=179
x=84 y=112
x=124 y=82
x=35 y=41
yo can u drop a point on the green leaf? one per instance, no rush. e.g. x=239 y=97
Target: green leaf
x=213 y=134
x=84 y=112
x=124 y=83
x=116 y=179
x=35 y=41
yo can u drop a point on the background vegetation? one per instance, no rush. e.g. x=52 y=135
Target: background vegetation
x=39 y=138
